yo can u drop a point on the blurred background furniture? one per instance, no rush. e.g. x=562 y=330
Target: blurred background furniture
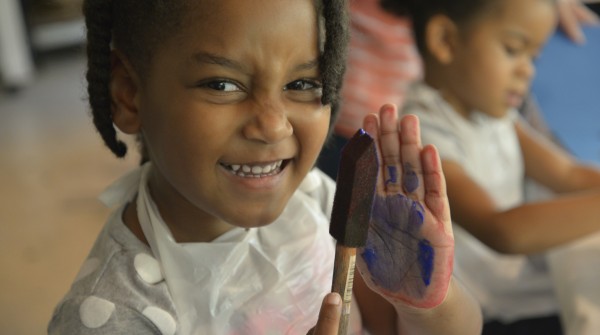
x=30 y=27
x=16 y=64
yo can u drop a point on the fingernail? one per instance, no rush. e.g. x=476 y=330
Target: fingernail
x=333 y=299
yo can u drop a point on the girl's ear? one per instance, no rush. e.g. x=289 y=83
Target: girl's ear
x=441 y=34
x=124 y=89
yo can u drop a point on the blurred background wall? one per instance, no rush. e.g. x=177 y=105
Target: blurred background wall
x=52 y=162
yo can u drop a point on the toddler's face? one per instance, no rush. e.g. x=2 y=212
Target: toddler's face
x=231 y=114
x=494 y=60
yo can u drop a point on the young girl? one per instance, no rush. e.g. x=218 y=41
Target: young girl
x=478 y=62
x=224 y=228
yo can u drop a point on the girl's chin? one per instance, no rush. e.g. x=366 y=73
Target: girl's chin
x=251 y=219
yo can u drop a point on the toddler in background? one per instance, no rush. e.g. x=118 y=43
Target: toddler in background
x=224 y=227
x=383 y=61
x=527 y=263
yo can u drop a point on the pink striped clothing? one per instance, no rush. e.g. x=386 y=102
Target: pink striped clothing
x=382 y=61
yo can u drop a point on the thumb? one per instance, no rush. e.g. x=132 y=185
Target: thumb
x=329 y=316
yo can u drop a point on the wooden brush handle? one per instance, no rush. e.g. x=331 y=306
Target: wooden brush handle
x=343 y=278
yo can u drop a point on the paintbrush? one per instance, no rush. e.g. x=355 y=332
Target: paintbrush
x=352 y=204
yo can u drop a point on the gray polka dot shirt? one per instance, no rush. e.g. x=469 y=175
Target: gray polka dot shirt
x=119 y=290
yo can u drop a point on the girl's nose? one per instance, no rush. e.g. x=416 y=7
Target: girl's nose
x=269 y=123
x=527 y=69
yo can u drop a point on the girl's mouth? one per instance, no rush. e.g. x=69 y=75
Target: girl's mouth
x=515 y=100
x=256 y=170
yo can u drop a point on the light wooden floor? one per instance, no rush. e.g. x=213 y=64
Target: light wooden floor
x=52 y=167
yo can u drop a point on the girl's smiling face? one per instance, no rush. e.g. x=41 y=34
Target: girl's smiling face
x=493 y=65
x=231 y=114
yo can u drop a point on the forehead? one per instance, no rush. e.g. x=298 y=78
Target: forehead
x=230 y=24
x=526 y=9
x=532 y=18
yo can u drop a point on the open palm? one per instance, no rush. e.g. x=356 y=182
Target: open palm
x=409 y=252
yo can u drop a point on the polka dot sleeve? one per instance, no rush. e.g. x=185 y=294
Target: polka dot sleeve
x=93 y=315
x=118 y=290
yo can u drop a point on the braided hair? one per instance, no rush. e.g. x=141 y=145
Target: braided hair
x=137 y=27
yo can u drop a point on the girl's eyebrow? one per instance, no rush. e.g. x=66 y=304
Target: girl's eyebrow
x=210 y=58
x=310 y=65
x=524 y=38
x=517 y=35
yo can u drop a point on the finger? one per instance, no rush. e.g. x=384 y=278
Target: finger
x=329 y=316
x=412 y=178
x=568 y=21
x=371 y=126
x=586 y=16
x=390 y=148
x=436 y=198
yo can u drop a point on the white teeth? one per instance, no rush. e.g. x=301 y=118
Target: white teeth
x=255 y=170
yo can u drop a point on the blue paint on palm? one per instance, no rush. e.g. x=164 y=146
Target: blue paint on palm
x=399 y=259
x=426 y=253
x=393 y=172
x=411 y=180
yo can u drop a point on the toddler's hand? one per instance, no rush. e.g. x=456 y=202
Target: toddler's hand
x=571 y=15
x=409 y=251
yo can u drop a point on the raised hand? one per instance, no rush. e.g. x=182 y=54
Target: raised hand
x=572 y=14
x=409 y=252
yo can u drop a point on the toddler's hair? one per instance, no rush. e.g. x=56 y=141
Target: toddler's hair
x=137 y=28
x=420 y=11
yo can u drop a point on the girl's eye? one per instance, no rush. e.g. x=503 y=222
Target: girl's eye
x=512 y=51
x=304 y=90
x=223 y=86
x=302 y=85
x=219 y=90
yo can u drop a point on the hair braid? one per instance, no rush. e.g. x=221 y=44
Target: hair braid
x=333 y=59
x=98 y=19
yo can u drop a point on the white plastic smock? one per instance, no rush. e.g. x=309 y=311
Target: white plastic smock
x=267 y=280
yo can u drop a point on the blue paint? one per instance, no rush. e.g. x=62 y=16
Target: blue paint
x=378 y=261
x=415 y=217
x=426 y=256
x=397 y=256
x=369 y=256
x=393 y=172
x=411 y=180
